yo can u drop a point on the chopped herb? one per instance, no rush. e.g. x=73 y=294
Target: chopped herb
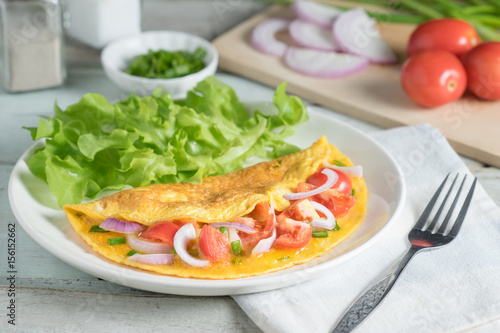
x=320 y=234
x=163 y=64
x=338 y=163
x=131 y=253
x=283 y=258
x=172 y=251
x=353 y=192
x=223 y=230
x=117 y=240
x=79 y=215
x=237 y=261
x=96 y=228
x=236 y=247
x=337 y=227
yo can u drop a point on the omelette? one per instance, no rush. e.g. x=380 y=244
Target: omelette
x=248 y=222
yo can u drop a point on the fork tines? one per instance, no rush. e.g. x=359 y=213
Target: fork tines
x=447 y=190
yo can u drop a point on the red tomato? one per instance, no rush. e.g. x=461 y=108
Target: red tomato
x=162 y=231
x=213 y=243
x=292 y=234
x=433 y=78
x=343 y=184
x=482 y=65
x=337 y=202
x=264 y=227
x=300 y=210
x=447 y=34
x=260 y=212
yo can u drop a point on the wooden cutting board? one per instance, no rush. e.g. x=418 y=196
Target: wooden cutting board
x=375 y=95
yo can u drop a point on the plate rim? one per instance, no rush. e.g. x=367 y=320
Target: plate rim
x=209 y=287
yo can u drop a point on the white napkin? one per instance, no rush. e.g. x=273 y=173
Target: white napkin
x=455 y=288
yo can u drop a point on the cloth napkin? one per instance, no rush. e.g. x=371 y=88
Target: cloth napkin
x=452 y=289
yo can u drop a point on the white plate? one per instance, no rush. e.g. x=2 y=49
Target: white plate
x=36 y=210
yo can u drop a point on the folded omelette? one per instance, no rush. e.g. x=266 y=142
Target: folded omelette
x=231 y=198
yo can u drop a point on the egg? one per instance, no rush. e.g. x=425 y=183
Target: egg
x=217 y=199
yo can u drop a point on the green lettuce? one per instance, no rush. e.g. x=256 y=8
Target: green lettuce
x=94 y=146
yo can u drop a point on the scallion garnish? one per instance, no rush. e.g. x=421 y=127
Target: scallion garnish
x=236 y=247
x=320 y=234
x=117 y=240
x=131 y=253
x=96 y=228
x=223 y=230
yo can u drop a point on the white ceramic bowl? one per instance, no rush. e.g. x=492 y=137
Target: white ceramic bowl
x=116 y=57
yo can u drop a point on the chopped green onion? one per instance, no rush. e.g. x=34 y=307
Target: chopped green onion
x=283 y=258
x=163 y=64
x=320 y=234
x=353 y=192
x=117 y=240
x=172 y=251
x=223 y=230
x=131 y=253
x=338 y=163
x=96 y=228
x=236 y=247
x=237 y=261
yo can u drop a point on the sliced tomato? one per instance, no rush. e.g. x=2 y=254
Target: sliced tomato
x=213 y=243
x=264 y=227
x=162 y=231
x=343 y=184
x=260 y=212
x=300 y=210
x=337 y=202
x=292 y=234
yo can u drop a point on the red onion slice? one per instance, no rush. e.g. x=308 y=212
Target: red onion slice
x=238 y=226
x=332 y=178
x=145 y=246
x=181 y=239
x=352 y=171
x=263 y=38
x=324 y=64
x=233 y=235
x=328 y=223
x=265 y=244
x=311 y=36
x=355 y=32
x=315 y=13
x=122 y=226
x=153 y=259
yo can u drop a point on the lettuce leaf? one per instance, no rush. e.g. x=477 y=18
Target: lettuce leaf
x=94 y=146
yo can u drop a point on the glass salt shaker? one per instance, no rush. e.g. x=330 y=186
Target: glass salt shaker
x=31 y=45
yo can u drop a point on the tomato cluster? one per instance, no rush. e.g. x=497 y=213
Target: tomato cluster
x=445 y=58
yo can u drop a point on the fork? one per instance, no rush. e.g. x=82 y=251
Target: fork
x=422 y=237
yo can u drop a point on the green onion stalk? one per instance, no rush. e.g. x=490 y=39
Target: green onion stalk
x=484 y=15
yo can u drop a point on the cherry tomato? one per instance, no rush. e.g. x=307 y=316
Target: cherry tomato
x=300 y=210
x=292 y=234
x=343 y=184
x=482 y=65
x=162 y=231
x=264 y=227
x=337 y=202
x=213 y=243
x=433 y=78
x=446 y=34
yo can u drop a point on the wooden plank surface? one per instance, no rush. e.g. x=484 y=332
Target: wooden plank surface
x=374 y=95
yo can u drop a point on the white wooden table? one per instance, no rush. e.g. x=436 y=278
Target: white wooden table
x=51 y=296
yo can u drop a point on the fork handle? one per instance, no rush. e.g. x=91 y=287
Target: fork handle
x=372 y=296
